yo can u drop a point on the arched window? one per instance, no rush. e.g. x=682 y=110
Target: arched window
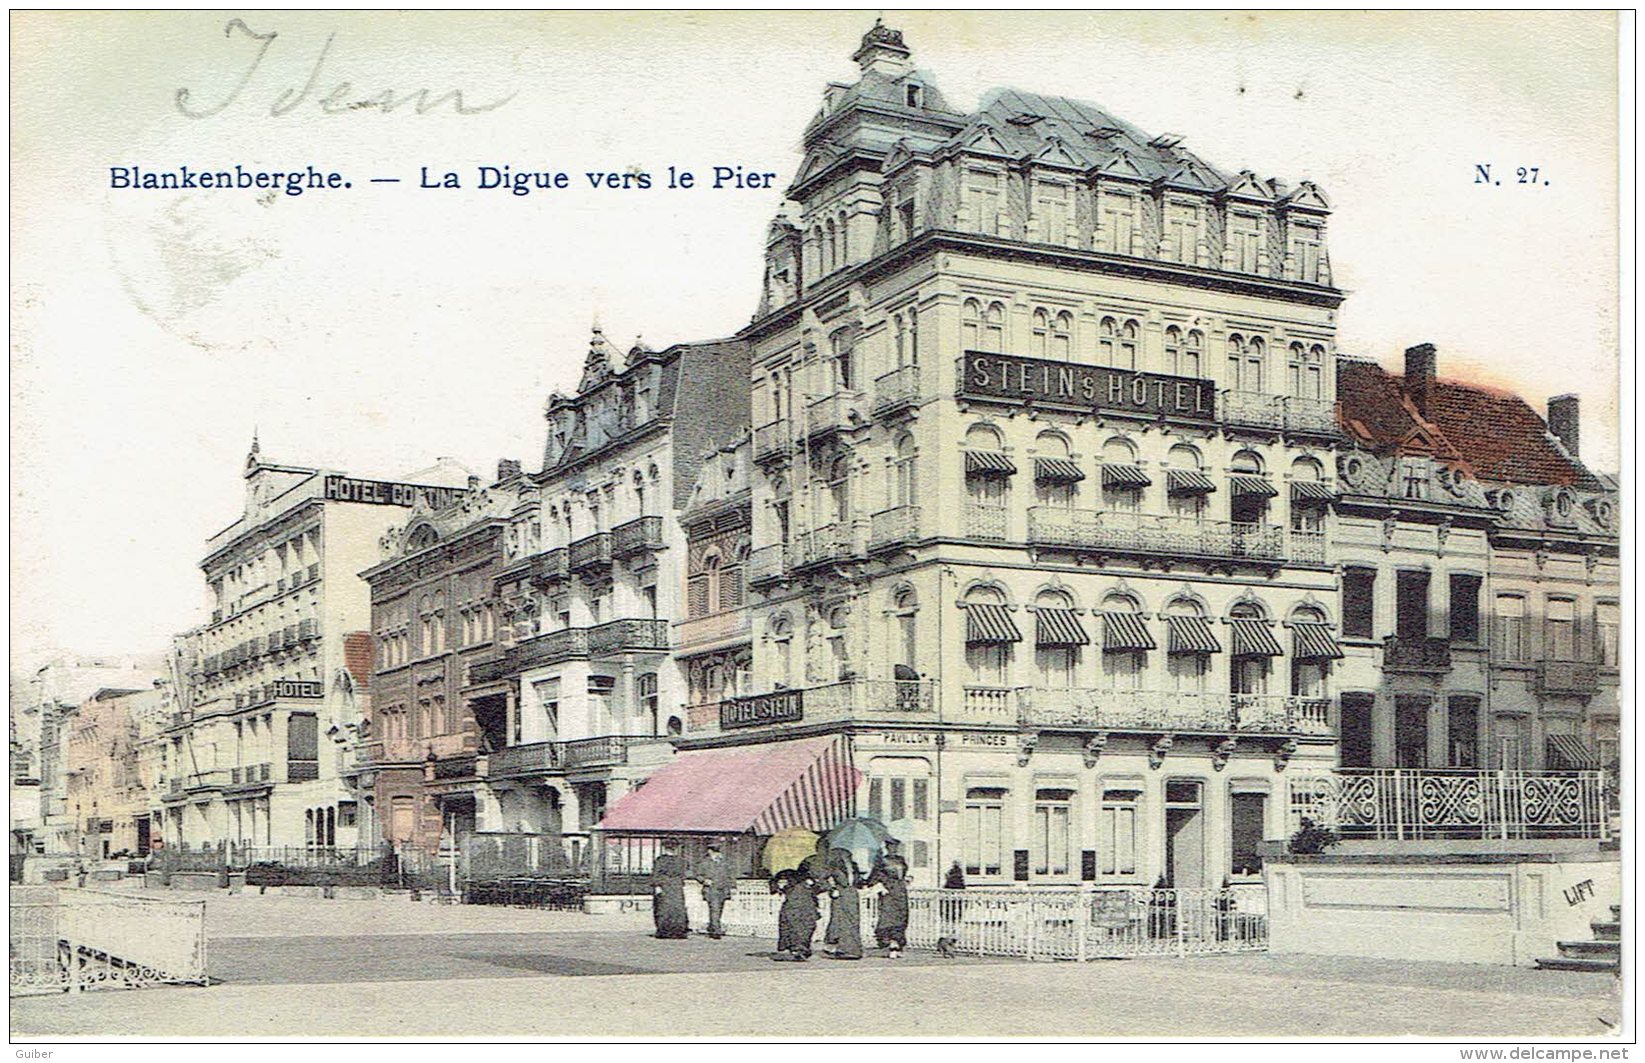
x=1187 y=488
x=1253 y=649
x=1125 y=642
x=913 y=335
x=990 y=636
x=905 y=606
x=988 y=472
x=839 y=649
x=1062 y=336
x=971 y=325
x=1056 y=476
x=425 y=614
x=1122 y=478
x=639 y=493
x=1190 y=641
x=1173 y=351
x=424 y=537
x=830 y=255
x=844 y=370
x=839 y=489
x=1306 y=371
x=782 y=640
x=1041 y=340
x=439 y=622
x=1314 y=650
x=1128 y=339
x=1107 y=341
x=1058 y=638
x=1193 y=349
x=904 y=489
x=845 y=241
x=993 y=328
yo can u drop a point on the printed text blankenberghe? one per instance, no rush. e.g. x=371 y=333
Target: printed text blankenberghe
x=291 y=182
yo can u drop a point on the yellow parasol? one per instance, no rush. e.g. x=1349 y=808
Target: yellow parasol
x=787 y=849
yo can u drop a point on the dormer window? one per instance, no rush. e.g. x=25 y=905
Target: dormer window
x=914 y=95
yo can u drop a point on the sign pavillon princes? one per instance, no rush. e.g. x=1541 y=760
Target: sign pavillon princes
x=1092 y=387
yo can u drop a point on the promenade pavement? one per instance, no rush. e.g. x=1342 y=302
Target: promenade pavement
x=395 y=969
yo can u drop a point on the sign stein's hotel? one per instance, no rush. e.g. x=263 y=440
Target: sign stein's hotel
x=1043 y=455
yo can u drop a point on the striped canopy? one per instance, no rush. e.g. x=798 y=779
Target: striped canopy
x=1312 y=491
x=1125 y=631
x=1570 y=753
x=1057 y=471
x=1314 y=641
x=1252 y=638
x=1190 y=634
x=1058 y=627
x=989 y=462
x=766 y=788
x=1249 y=484
x=1188 y=482
x=1115 y=475
x=990 y=623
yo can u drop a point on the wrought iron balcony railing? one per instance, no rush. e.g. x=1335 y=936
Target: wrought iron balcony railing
x=525 y=759
x=637 y=536
x=899 y=524
x=1143 y=533
x=1175 y=711
x=1416 y=654
x=1287 y=412
x=604 y=751
x=986 y=522
x=591 y=551
x=619 y=636
x=551 y=648
x=897 y=390
x=829 y=413
x=773 y=440
x=550 y=567
x=766 y=564
x=831 y=542
x=1568 y=677
x=713 y=628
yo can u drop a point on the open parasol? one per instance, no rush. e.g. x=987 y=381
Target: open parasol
x=787 y=849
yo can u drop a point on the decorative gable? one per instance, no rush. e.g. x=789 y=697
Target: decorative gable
x=1248 y=186
x=1308 y=197
x=1056 y=153
x=1122 y=166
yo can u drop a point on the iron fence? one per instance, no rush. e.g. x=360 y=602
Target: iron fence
x=1408 y=804
x=1069 y=924
x=68 y=940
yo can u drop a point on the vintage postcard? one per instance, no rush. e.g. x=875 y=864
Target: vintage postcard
x=832 y=524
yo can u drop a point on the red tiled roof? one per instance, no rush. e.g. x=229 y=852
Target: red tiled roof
x=1495 y=434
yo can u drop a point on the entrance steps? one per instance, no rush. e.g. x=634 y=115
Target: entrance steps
x=1602 y=953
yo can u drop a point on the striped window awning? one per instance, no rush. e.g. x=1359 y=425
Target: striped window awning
x=1190 y=634
x=1312 y=491
x=1115 y=475
x=1057 y=471
x=989 y=463
x=1125 y=631
x=1188 y=482
x=1058 y=627
x=1247 y=484
x=990 y=623
x=1315 y=642
x=1253 y=638
x=1570 y=753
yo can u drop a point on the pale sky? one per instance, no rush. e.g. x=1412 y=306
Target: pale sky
x=377 y=328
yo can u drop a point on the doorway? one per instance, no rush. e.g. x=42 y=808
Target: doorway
x=1356 y=730
x=1184 y=835
x=1410 y=732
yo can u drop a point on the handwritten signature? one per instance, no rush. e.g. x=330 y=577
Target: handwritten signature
x=342 y=99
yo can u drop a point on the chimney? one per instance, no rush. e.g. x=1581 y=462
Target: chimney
x=1565 y=420
x=507 y=469
x=1419 y=374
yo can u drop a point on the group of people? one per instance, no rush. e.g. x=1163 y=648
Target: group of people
x=828 y=870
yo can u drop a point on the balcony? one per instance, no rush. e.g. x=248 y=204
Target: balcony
x=891 y=527
x=1401 y=654
x=986 y=522
x=1287 y=413
x=870 y=700
x=1138 y=533
x=549 y=567
x=455 y=767
x=1305 y=547
x=207 y=780
x=552 y=648
x=603 y=752
x=524 y=760
x=897 y=390
x=641 y=535
x=250 y=775
x=1174 y=711
x=302 y=770
x=1579 y=678
x=713 y=629
x=621 y=636
x=765 y=565
x=773 y=440
x=590 y=552
x=829 y=414
x=829 y=543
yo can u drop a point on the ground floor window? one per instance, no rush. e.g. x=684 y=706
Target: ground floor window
x=1462 y=731
x=1117 y=832
x=1053 y=823
x=982 y=833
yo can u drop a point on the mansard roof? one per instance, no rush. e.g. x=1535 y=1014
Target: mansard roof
x=1494 y=434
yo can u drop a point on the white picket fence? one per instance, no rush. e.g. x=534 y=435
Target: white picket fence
x=1065 y=924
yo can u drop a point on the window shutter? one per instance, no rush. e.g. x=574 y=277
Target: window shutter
x=697 y=597
x=731 y=588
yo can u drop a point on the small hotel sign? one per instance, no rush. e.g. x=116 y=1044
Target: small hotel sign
x=1094 y=387
x=782 y=706
x=299 y=688
x=384 y=493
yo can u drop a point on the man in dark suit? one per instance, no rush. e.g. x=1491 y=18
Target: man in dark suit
x=718 y=881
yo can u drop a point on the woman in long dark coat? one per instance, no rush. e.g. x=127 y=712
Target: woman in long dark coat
x=844 y=908
x=891 y=928
x=797 y=918
x=668 y=896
